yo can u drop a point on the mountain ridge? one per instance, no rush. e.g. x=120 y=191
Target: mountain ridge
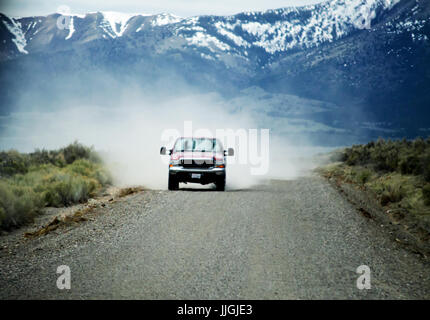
x=377 y=74
x=274 y=31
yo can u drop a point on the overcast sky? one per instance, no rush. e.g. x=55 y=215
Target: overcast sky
x=183 y=8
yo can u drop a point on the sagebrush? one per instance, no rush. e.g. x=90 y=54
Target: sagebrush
x=396 y=171
x=56 y=178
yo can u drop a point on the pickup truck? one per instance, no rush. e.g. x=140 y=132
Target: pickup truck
x=197 y=160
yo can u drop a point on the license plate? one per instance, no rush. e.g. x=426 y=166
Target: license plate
x=196 y=176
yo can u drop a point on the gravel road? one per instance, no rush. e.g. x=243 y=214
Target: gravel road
x=282 y=240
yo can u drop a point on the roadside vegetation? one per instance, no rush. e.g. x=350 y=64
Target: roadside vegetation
x=32 y=181
x=396 y=172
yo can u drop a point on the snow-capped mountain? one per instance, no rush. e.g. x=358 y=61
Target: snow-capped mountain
x=272 y=31
x=368 y=57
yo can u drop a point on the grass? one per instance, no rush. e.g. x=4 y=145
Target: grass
x=396 y=172
x=30 y=182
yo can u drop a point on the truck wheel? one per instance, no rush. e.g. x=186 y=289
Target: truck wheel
x=220 y=184
x=173 y=183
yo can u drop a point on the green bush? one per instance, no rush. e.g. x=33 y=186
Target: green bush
x=396 y=172
x=12 y=162
x=48 y=157
x=47 y=178
x=2 y=216
x=410 y=164
x=91 y=170
x=392 y=193
x=384 y=156
x=76 y=151
x=426 y=194
x=363 y=176
x=65 y=189
x=17 y=205
x=425 y=166
x=403 y=156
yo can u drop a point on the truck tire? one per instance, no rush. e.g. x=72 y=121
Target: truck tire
x=173 y=183
x=220 y=184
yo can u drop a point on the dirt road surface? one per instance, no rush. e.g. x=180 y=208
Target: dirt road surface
x=295 y=239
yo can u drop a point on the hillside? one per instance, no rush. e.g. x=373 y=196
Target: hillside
x=363 y=63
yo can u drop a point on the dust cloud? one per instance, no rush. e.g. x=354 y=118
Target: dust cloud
x=129 y=135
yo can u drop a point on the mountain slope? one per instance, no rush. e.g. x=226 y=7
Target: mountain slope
x=383 y=72
x=368 y=58
x=246 y=34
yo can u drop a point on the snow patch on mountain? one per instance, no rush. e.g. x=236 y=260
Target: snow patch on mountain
x=256 y=28
x=115 y=23
x=290 y=28
x=190 y=28
x=204 y=40
x=222 y=29
x=165 y=18
x=16 y=29
x=325 y=22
